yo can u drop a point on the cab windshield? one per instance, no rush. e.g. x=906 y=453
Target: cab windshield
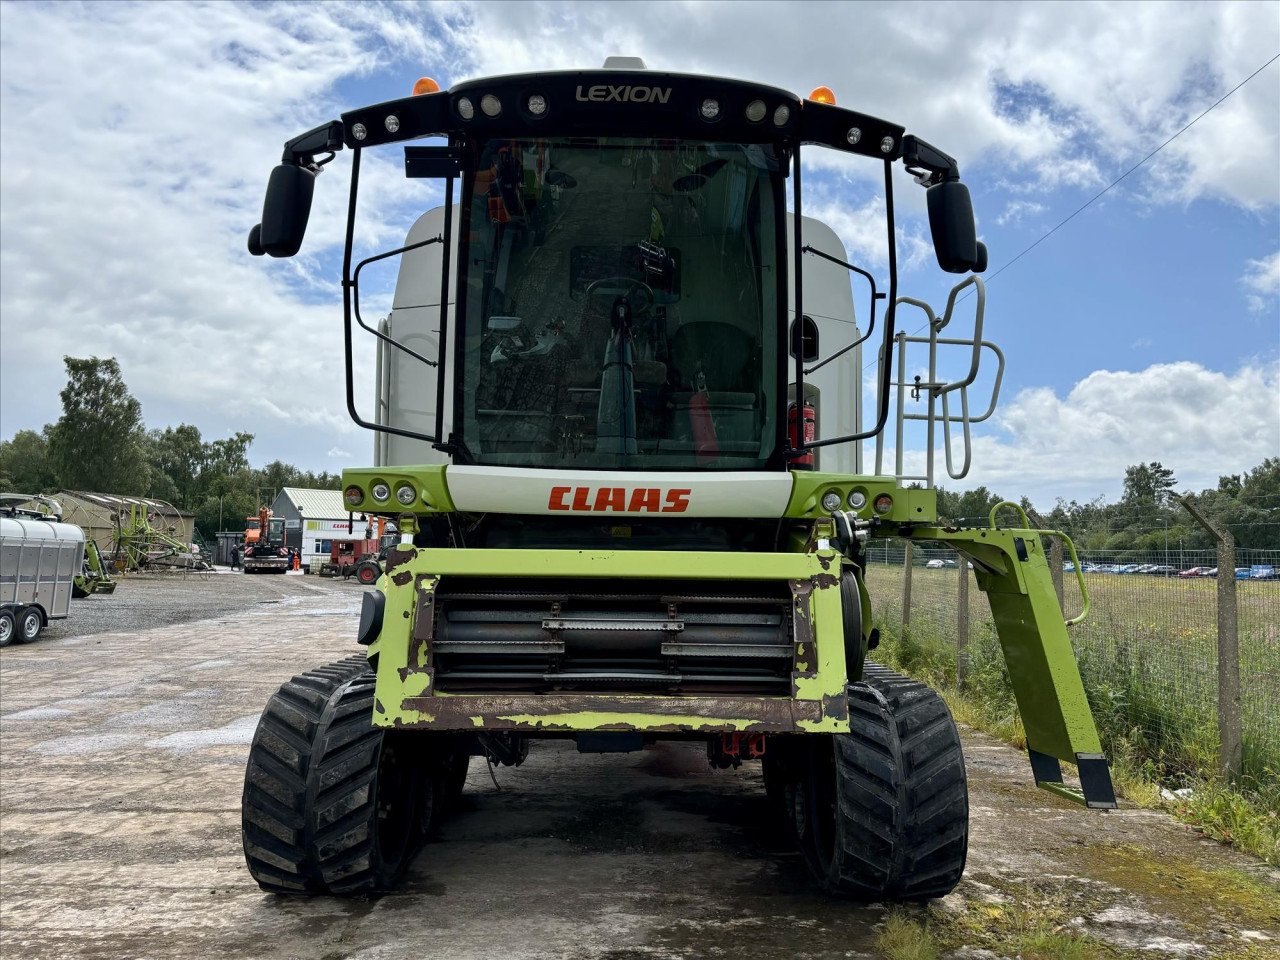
x=621 y=304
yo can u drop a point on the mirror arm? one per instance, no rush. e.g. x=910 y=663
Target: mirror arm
x=927 y=163
x=326 y=138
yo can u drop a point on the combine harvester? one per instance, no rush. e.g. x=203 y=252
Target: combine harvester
x=620 y=433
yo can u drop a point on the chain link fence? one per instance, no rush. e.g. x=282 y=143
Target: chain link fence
x=1148 y=650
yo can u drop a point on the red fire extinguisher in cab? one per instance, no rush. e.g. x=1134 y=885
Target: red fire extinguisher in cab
x=802 y=421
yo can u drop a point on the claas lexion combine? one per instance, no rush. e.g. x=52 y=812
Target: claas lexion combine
x=619 y=428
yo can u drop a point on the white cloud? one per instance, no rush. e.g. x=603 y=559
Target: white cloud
x=1070 y=94
x=1016 y=210
x=135 y=140
x=863 y=230
x=134 y=145
x=1201 y=423
x=338 y=454
x=1261 y=281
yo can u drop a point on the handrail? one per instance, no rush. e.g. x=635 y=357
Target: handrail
x=1071 y=549
x=940 y=390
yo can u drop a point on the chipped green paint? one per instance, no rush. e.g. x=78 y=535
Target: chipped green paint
x=399 y=681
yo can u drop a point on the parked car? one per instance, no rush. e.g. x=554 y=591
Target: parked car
x=1211 y=572
x=941 y=565
x=1197 y=572
x=1160 y=570
x=1263 y=571
x=1242 y=573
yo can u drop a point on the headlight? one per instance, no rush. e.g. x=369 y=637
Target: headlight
x=466 y=109
x=406 y=494
x=380 y=491
x=831 y=501
x=491 y=105
x=883 y=503
x=756 y=111
x=857 y=500
x=353 y=495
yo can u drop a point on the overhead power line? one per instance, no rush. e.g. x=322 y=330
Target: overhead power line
x=1101 y=193
x=1097 y=196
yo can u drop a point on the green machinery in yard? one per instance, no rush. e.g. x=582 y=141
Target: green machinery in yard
x=94 y=577
x=620 y=432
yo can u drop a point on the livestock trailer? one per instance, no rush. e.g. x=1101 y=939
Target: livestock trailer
x=39 y=561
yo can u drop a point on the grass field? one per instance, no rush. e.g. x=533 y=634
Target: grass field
x=1148 y=653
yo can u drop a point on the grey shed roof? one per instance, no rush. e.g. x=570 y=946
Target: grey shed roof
x=116 y=501
x=317 y=504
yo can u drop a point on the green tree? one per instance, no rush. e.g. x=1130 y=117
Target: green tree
x=177 y=457
x=1148 y=483
x=25 y=465
x=98 y=443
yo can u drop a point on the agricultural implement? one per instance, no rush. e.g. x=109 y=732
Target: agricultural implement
x=142 y=542
x=620 y=433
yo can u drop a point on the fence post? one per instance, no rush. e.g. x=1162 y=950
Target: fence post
x=962 y=618
x=906 y=588
x=1229 y=722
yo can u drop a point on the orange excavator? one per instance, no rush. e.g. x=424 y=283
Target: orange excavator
x=264 y=549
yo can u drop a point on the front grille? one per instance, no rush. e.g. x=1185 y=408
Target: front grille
x=612 y=636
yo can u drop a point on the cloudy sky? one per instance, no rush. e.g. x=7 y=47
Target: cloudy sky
x=135 y=143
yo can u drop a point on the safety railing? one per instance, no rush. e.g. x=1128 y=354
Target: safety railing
x=937 y=393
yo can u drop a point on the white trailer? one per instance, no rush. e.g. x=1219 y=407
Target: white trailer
x=39 y=561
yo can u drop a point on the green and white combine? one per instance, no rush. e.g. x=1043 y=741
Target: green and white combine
x=619 y=425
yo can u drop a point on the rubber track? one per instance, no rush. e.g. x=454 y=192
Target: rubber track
x=902 y=794
x=309 y=783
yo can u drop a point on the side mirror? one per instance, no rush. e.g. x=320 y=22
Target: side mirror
x=955 y=239
x=284 y=212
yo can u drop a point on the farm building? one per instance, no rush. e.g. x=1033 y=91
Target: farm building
x=97 y=514
x=313 y=519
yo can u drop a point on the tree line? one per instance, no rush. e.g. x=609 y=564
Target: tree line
x=1147 y=519
x=101 y=444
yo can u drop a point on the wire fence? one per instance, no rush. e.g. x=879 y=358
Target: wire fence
x=1149 y=649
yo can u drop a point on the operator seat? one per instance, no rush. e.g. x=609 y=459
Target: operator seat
x=726 y=356
x=722 y=350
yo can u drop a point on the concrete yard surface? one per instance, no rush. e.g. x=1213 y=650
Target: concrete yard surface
x=122 y=760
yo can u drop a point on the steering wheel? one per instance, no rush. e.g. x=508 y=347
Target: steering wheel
x=603 y=292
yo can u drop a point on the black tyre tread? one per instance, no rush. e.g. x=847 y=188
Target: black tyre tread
x=902 y=792
x=299 y=730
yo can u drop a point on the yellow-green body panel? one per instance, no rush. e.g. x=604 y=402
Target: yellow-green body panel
x=405 y=697
x=1010 y=567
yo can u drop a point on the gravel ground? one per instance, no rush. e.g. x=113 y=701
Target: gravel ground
x=123 y=760
x=142 y=602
